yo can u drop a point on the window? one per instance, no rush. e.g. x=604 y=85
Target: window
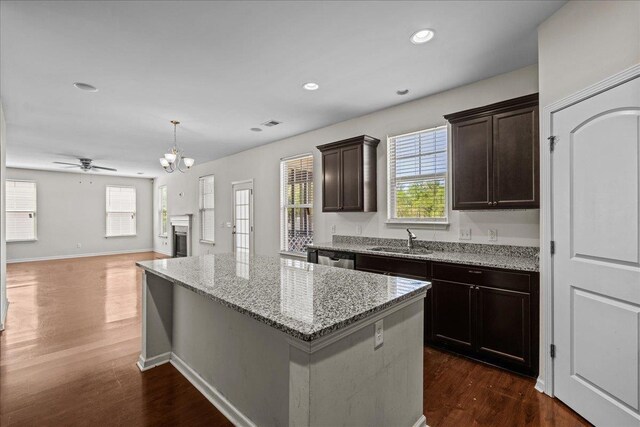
x=121 y=211
x=207 y=218
x=21 y=210
x=162 y=210
x=417 y=175
x=296 y=203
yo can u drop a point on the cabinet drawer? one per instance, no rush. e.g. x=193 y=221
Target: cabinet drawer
x=394 y=266
x=514 y=281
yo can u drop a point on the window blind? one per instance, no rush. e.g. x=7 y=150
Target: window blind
x=417 y=176
x=21 y=209
x=207 y=217
x=296 y=203
x=121 y=211
x=163 y=213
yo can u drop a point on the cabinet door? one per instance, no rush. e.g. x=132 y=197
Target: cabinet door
x=452 y=307
x=504 y=325
x=516 y=159
x=331 y=181
x=472 y=164
x=351 y=177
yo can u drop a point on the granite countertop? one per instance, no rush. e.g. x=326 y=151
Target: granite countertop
x=306 y=301
x=521 y=258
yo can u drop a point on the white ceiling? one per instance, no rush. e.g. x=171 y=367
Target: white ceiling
x=224 y=67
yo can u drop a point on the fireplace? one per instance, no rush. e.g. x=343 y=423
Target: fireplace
x=181 y=233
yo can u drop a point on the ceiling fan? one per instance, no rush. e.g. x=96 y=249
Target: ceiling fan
x=85 y=165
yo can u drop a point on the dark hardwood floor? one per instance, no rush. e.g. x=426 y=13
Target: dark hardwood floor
x=67 y=357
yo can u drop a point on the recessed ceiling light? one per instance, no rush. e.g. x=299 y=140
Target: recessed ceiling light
x=402 y=92
x=85 y=86
x=422 y=36
x=256 y=129
x=311 y=86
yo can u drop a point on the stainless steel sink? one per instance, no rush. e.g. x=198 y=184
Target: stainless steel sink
x=401 y=250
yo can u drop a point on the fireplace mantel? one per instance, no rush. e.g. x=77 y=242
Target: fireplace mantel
x=180 y=220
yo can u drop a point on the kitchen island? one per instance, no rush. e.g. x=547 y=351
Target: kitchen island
x=273 y=341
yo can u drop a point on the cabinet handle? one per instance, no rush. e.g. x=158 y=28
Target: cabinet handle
x=489 y=203
x=495 y=203
x=475 y=272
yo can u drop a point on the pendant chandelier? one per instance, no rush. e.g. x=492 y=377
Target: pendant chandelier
x=172 y=160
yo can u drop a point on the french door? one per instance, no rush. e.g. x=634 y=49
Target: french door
x=243 y=217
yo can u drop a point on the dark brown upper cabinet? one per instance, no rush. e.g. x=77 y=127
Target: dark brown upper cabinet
x=495 y=157
x=349 y=175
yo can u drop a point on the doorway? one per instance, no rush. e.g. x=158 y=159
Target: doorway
x=243 y=217
x=595 y=199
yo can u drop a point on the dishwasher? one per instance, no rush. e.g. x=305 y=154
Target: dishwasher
x=337 y=259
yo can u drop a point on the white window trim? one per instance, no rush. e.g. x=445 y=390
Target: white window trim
x=106 y=213
x=417 y=222
x=201 y=211
x=284 y=207
x=160 y=234
x=35 y=213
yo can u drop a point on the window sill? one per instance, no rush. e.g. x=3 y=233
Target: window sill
x=431 y=225
x=22 y=241
x=301 y=255
x=120 y=235
x=207 y=242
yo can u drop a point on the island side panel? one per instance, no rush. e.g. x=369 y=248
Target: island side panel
x=238 y=357
x=157 y=321
x=353 y=383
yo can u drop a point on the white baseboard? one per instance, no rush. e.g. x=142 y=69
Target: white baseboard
x=3 y=313
x=152 y=362
x=168 y=253
x=214 y=396
x=540 y=385
x=422 y=422
x=48 y=258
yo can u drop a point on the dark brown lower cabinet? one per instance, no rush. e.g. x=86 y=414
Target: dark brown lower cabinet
x=452 y=313
x=503 y=324
x=487 y=314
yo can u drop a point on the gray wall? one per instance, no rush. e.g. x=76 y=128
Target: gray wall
x=71 y=210
x=585 y=42
x=3 y=245
x=262 y=165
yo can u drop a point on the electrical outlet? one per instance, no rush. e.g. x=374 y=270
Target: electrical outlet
x=333 y=229
x=378 y=337
x=358 y=230
x=493 y=235
x=79 y=245
x=464 y=234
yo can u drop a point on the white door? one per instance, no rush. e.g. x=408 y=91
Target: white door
x=243 y=217
x=596 y=266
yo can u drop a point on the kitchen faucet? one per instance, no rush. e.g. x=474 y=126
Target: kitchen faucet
x=412 y=237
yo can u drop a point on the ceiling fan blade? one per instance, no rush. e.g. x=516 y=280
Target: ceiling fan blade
x=69 y=164
x=103 y=168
